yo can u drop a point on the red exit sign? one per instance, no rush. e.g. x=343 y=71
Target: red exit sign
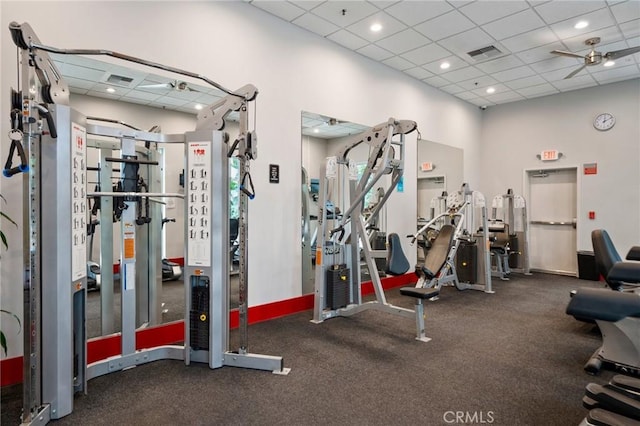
x=549 y=155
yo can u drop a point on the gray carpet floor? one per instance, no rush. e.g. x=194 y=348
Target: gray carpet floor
x=510 y=358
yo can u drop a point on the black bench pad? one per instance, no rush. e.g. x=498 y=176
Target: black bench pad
x=634 y=253
x=628 y=272
x=626 y=382
x=419 y=292
x=603 y=304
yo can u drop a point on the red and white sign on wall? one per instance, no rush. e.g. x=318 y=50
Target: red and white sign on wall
x=426 y=166
x=590 y=168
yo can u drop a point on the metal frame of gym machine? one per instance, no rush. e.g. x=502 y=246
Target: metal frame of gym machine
x=50 y=138
x=350 y=238
x=514 y=202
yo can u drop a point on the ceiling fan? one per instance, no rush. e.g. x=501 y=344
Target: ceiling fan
x=594 y=57
x=177 y=85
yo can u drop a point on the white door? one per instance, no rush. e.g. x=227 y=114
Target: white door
x=552 y=215
x=429 y=188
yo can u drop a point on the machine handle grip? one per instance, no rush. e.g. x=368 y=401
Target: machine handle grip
x=339 y=229
x=51 y=124
x=15 y=170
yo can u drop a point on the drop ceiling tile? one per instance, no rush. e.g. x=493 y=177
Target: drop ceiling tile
x=555 y=63
x=540 y=53
x=466 y=95
x=418 y=72
x=481 y=102
x=534 y=80
x=206 y=99
x=375 y=52
x=79 y=83
x=482 y=91
x=463 y=74
x=315 y=24
x=383 y=4
x=78 y=90
x=560 y=74
x=348 y=40
x=631 y=29
x=454 y=63
x=102 y=94
x=529 y=40
x=403 y=41
x=281 y=9
x=599 y=19
x=414 y=12
x=556 y=11
x=445 y=25
x=479 y=83
x=147 y=96
x=576 y=82
x=607 y=35
x=452 y=89
x=483 y=12
x=518 y=23
x=398 y=63
x=513 y=74
x=607 y=75
x=504 y=97
x=135 y=100
x=436 y=81
x=306 y=4
x=467 y=41
x=84 y=73
x=390 y=26
x=500 y=64
x=425 y=54
x=538 y=90
x=354 y=11
x=626 y=11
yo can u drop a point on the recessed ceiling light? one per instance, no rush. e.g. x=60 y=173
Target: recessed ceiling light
x=581 y=24
x=316 y=130
x=198 y=107
x=111 y=90
x=491 y=90
x=375 y=27
x=445 y=65
x=609 y=63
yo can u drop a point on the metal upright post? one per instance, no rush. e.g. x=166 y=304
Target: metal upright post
x=106 y=245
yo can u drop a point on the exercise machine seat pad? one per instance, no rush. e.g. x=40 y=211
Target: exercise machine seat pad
x=420 y=292
x=625 y=271
x=600 y=417
x=626 y=382
x=606 y=256
x=437 y=254
x=605 y=305
x=634 y=253
x=397 y=262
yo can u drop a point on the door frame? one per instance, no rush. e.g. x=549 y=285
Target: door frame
x=526 y=183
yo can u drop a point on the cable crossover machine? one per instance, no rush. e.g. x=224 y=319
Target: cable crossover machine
x=50 y=140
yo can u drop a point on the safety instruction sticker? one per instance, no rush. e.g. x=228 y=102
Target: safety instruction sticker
x=78 y=202
x=198 y=204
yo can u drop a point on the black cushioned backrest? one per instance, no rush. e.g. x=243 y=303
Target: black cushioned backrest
x=397 y=262
x=437 y=254
x=234 y=224
x=606 y=255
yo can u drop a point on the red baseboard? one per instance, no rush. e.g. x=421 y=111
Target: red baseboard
x=173 y=332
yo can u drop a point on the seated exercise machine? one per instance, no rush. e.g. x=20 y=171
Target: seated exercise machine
x=617 y=313
x=440 y=264
x=343 y=239
x=50 y=138
x=616 y=403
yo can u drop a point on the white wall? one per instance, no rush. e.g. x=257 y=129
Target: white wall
x=314 y=153
x=514 y=133
x=235 y=43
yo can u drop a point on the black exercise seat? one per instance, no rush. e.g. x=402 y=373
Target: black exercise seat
x=437 y=254
x=606 y=256
x=601 y=304
x=634 y=253
x=397 y=262
x=628 y=272
x=419 y=292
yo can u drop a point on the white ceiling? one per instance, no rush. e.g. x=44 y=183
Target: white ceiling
x=417 y=36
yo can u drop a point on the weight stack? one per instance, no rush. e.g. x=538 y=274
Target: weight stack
x=199 y=314
x=466 y=262
x=514 y=256
x=379 y=242
x=338 y=278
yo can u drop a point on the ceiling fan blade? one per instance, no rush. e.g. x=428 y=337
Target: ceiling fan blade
x=569 y=54
x=575 y=72
x=623 y=52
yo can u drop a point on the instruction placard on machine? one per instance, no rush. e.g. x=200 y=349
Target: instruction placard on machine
x=78 y=202
x=199 y=202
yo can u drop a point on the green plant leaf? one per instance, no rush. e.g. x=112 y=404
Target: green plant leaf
x=15 y=316
x=4 y=240
x=8 y=218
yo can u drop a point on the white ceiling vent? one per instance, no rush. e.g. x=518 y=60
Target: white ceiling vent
x=119 y=80
x=485 y=53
